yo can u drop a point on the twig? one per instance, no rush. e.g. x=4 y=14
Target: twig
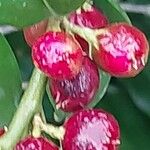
x=29 y=105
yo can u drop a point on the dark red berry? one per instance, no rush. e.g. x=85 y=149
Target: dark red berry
x=75 y=94
x=2 y=131
x=58 y=55
x=91 y=130
x=31 y=143
x=123 y=50
x=32 y=33
x=92 y=18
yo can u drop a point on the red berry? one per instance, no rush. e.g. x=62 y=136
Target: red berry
x=31 y=143
x=123 y=50
x=58 y=55
x=76 y=93
x=91 y=130
x=91 y=18
x=33 y=32
x=2 y=131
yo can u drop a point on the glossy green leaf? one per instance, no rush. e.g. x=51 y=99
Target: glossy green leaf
x=65 y=6
x=139 y=89
x=112 y=10
x=103 y=85
x=22 y=12
x=134 y=125
x=10 y=82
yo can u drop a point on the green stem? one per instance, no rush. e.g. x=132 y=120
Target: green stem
x=25 y=131
x=29 y=105
x=54 y=131
x=88 y=34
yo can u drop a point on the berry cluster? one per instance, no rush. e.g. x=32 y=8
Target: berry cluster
x=70 y=58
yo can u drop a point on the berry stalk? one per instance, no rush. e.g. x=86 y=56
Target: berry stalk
x=29 y=105
x=86 y=33
x=56 y=132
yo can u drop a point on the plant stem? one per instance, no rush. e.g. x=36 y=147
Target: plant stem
x=86 y=33
x=30 y=104
x=54 y=131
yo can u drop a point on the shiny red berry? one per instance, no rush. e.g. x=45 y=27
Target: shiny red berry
x=31 y=143
x=91 y=130
x=58 y=55
x=92 y=18
x=75 y=94
x=123 y=50
x=32 y=33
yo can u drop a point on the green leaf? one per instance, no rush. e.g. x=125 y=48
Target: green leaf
x=139 y=89
x=103 y=84
x=134 y=124
x=112 y=10
x=10 y=82
x=21 y=13
x=65 y=6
